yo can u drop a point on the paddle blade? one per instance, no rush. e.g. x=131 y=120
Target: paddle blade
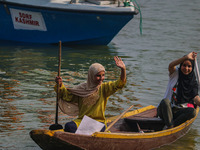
x=55 y=127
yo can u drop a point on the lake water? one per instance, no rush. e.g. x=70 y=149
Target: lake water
x=171 y=29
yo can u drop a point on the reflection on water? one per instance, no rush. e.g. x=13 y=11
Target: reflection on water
x=186 y=142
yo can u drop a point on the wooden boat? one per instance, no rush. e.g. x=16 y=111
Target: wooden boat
x=138 y=130
x=91 y=22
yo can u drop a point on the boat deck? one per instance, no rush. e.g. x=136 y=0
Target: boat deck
x=113 y=5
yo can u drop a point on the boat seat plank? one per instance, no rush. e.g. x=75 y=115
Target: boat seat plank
x=145 y=119
x=145 y=123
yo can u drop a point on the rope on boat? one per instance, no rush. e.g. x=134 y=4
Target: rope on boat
x=137 y=7
x=133 y=3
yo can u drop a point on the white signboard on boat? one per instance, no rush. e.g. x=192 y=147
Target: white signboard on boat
x=27 y=20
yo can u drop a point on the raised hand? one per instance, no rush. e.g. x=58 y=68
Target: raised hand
x=121 y=65
x=119 y=62
x=192 y=55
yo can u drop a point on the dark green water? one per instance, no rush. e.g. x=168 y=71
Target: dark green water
x=171 y=29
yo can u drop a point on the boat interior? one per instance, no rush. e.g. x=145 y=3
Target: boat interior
x=143 y=123
x=97 y=2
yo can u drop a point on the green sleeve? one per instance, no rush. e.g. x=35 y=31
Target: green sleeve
x=64 y=93
x=111 y=87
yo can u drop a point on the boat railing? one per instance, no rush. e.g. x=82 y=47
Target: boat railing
x=119 y=3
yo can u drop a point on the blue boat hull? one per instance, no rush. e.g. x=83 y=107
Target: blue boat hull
x=68 y=26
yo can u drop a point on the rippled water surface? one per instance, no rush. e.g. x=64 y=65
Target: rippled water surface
x=171 y=29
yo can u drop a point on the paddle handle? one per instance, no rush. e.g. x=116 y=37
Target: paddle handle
x=58 y=86
x=197 y=71
x=118 y=118
x=59 y=58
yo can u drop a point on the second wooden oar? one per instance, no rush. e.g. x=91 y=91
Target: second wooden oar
x=118 y=118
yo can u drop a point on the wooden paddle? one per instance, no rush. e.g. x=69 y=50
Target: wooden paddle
x=118 y=118
x=197 y=71
x=57 y=126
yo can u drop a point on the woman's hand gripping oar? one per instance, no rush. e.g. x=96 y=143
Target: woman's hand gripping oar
x=57 y=126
